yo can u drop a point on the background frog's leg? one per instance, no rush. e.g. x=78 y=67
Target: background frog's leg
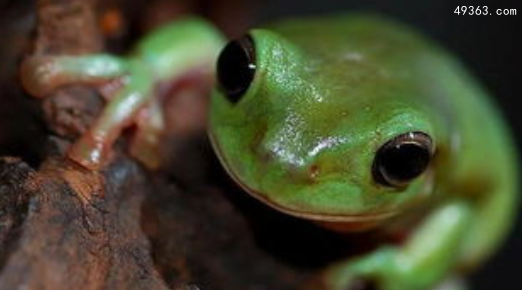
x=40 y=75
x=149 y=126
x=94 y=146
x=420 y=263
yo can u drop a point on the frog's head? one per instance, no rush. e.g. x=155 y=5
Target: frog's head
x=319 y=132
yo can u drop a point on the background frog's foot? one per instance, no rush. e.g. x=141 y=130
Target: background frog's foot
x=94 y=147
x=150 y=125
x=41 y=75
x=127 y=87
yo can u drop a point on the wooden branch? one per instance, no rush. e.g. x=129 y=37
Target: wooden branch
x=54 y=240
x=51 y=235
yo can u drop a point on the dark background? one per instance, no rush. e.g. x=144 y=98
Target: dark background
x=489 y=45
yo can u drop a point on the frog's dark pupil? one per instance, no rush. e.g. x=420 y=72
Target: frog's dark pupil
x=402 y=159
x=236 y=67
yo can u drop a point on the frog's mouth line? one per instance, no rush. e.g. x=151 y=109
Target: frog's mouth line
x=323 y=217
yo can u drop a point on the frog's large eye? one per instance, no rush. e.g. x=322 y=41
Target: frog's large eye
x=236 y=67
x=402 y=159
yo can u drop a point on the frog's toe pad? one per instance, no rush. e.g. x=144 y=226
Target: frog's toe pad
x=38 y=75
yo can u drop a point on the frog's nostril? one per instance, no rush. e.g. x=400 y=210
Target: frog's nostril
x=314 y=171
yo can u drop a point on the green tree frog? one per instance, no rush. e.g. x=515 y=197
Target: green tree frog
x=352 y=122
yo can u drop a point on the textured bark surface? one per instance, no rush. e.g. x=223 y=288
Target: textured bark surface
x=186 y=227
x=53 y=239
x=63 y=227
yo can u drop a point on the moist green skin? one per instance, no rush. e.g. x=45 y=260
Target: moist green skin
x=327 y=93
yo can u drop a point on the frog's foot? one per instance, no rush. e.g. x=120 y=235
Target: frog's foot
x=93 y=149
x=126 y=85
x=41 y=75
x=360 y=274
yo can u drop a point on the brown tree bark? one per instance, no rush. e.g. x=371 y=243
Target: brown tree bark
x=53 y=236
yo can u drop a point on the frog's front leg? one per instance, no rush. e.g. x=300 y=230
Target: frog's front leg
x=419 y=264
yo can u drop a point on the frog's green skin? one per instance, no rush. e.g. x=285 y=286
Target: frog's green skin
x=327 y=93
